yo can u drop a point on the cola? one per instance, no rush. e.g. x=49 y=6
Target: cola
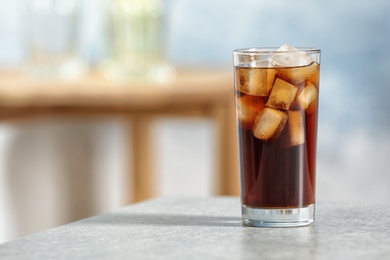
x=277 y=110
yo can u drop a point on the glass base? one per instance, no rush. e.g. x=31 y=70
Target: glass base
x=69 y=68
x=153 y=73
x=277 y=217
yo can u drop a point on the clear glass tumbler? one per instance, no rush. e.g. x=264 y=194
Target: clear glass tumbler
x=53 y=39
x=276 y=96
x=134 y=42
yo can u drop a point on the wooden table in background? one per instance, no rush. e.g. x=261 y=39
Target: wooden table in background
x=207 y=94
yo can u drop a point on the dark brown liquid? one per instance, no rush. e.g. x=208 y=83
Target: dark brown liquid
x=273 y=175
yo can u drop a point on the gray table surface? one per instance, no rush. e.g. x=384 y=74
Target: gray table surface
x=210 y=228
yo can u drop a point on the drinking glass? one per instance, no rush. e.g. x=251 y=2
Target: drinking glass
x=134 y=42
x=276 y=97
x=53 y=39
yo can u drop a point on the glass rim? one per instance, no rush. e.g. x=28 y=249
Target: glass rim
x=270 y=50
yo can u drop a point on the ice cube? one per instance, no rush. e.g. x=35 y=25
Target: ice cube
x=288 y=56
x=307 y=99
x=294 y=132
x=315 y=76
x=254 y=81
x=247 y=109
x=271 y=73
x=298 y=75
x=269 y=124
x=282 y=95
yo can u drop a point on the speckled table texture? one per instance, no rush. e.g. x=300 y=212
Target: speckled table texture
x=210 y=228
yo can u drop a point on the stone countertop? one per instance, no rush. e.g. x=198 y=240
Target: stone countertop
x=210 y=228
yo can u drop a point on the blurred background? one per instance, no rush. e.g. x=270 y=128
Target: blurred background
x=37 y=156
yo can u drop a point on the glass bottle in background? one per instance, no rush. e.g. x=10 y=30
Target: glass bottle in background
x=134 y=42
x=52 y=38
